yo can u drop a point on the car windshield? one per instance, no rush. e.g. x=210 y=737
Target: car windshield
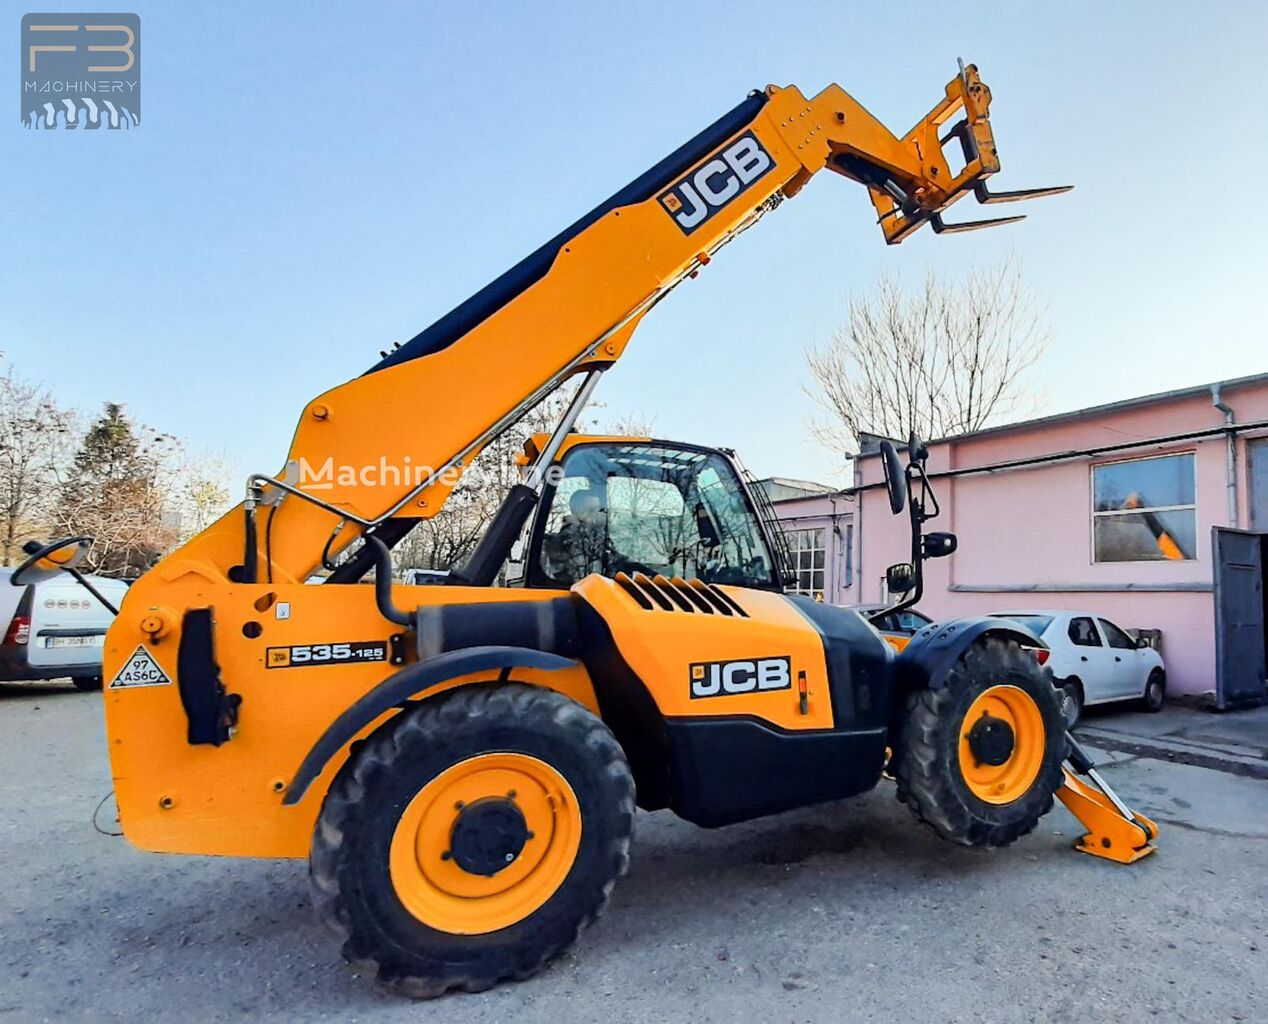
x=1035 y=623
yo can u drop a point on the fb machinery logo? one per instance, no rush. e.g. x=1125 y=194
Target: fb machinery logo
x=81 y=71
x=716 y=182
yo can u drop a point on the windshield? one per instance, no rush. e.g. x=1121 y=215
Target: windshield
x=1035 y=623
x=653 y=509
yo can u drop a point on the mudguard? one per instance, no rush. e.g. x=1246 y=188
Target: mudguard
x=409 y=682
x=928 y=659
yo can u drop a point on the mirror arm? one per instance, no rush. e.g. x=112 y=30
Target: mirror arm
x=83 y=582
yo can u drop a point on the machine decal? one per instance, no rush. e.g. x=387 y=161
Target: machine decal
x=140 y=670
x=326 y=654
x=703 y=192
x=721 y=678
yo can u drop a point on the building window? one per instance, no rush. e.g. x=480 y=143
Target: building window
x=808 y=559
x=1144 y=510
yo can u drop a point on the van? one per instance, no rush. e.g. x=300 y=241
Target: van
x=55 y=628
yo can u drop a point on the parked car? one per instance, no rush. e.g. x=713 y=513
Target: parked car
x=897 y=627
x=55 y=628
x=1094 y=661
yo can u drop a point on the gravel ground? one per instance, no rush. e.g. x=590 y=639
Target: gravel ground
x=848 y=911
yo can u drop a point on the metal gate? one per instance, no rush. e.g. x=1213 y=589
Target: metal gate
x=1239 y=618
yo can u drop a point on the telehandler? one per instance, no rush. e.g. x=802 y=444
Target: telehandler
x=461 y=763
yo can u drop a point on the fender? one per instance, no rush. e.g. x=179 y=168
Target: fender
x=396 y=689
x=928 y=659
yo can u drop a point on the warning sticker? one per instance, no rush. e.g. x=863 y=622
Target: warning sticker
x=140 y=670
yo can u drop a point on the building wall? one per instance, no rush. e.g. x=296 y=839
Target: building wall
x=831 y=518
x=1026 y=534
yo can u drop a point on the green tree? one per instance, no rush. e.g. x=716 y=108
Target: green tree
x=112 y=493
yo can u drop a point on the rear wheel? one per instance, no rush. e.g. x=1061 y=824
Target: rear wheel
x=86 y=683
x=1070 y=694
x=472 y=838
x=979 y=759
x=1155 y=691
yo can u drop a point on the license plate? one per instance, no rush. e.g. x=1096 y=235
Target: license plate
x=73 y=641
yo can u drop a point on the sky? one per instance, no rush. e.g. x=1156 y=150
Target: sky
x=313 y=181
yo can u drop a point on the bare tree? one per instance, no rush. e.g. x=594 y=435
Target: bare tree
x=197 y=489
x=947 y=358
x=445 y=540
x=34 y=437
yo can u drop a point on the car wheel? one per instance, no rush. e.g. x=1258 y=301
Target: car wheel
x=1071 y=702
x=1155 y=691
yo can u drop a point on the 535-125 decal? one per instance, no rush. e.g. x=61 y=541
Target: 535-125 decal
x=326 y=654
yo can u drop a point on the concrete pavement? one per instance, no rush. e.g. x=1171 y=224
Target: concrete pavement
x=846 y=912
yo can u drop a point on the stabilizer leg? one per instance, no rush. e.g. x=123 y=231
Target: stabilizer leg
x=1114 y=831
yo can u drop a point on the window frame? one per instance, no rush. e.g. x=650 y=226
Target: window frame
x=535 y=577
x=1096 y=514
x=795 y=551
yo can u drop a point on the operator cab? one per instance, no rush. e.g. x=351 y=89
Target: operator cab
x=618 y=505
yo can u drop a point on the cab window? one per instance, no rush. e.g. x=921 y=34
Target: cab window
x=652 y=509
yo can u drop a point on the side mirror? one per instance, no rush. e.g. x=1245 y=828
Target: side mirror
x=1141 y=643
x=895 y=478
x=938 y=545
x=900 y=578
x=44 y=561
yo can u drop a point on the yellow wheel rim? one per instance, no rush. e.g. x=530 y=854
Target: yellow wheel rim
x=1007 y=781
x=427 y=877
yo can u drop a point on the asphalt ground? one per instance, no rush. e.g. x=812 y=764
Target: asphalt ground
x=844 y=912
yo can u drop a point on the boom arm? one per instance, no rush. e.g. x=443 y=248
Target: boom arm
x=393 y=442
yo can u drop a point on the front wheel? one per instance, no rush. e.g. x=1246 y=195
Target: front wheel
x=472 y=838
x=1155 y=691
x=979 y=759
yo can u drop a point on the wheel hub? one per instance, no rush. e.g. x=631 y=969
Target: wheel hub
x=991 y=740
x=488 y=836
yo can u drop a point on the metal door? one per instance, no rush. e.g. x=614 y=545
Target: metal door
x=1239 y=618
x=1259 y=484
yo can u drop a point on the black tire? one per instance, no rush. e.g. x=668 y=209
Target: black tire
x=351 y=882
x=1070 y=693
x=1155 y=692
x=926 y=762
x=86 y=683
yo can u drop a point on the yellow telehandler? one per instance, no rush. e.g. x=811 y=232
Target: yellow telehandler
x=461 y=762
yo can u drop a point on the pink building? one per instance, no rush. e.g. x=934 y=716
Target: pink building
x=1152 y=512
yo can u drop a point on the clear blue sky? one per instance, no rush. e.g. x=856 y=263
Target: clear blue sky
x=313 y=181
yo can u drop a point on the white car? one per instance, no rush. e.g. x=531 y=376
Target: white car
x=1095 y=661
x=54 y=629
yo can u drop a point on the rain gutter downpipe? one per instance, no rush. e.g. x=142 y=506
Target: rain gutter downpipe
x=1231 y=457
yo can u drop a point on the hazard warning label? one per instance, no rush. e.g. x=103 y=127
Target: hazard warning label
x=140 y=670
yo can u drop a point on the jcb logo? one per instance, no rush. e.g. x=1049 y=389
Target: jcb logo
x=708 y=188
x=720 y=678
